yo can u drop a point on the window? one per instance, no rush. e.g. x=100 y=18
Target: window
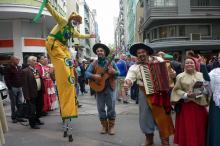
x=148 y=36
x=199 y=2
x=163 y=32
x=164 y=3
x=159 y=3
x=182 y=31
x=204 y=30
x=148 y=2
x=171 y=31
x=155 y=34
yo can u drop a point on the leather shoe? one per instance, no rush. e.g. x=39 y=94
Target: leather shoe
x=14 y=121
x=35 y=127
x=39 y=123
x=44 y=114
x=21 y=120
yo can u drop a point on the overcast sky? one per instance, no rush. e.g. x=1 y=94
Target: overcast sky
x=106 y=11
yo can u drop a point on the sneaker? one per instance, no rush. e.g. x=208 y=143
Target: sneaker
x=119 y=99
x=125 y=102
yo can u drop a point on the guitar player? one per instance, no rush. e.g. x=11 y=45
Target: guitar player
x=102 y=75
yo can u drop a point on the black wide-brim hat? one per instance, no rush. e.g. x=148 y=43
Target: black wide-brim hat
x=135 y=47
x=103 y=46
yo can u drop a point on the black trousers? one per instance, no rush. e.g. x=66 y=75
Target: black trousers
x=134 y=92
x=39 y=103
x=81 y=81
x=32 y=116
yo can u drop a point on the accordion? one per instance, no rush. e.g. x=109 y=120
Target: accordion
x=155 y=77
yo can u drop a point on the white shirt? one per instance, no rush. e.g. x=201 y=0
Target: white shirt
x=215 y=85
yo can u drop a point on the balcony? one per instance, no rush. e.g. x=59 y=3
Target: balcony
x=179 y=44
x=86 y=20
x=210 y=11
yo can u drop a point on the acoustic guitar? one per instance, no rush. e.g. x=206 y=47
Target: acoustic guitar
x=99 y=86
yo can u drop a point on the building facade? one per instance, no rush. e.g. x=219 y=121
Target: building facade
x=179 y=25
x=139 y=18
x=20 y=36
x=89 y=26
x=120 y=27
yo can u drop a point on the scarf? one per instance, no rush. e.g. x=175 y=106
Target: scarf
x=102 y=61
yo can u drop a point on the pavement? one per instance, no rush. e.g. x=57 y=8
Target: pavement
x=85 y=128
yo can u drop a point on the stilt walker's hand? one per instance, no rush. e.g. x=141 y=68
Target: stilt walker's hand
x=92 y=36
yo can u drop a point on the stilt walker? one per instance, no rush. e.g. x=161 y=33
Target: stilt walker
x=59 y=51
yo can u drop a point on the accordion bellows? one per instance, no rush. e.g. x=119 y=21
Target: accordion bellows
x=155 y=77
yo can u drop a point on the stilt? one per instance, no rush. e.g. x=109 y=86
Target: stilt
x=67 y=129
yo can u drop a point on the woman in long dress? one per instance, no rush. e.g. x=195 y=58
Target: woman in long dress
x=191 y=119
x=50 y=96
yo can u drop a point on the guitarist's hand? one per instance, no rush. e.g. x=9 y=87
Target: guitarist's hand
x=97 y=77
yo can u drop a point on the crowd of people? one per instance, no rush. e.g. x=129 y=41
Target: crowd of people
x=32 y=84
x=192 y=87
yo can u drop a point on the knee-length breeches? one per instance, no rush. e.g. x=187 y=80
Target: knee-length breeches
x=152 y=116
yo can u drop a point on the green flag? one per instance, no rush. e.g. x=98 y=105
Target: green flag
x=37 y=17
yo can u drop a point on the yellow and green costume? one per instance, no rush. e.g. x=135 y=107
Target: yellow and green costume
x=60 y=56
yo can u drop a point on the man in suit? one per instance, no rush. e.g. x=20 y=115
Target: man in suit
x=32 y=84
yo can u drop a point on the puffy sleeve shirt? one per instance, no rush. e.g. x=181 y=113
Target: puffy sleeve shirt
x=184 y=83
x=215 y=85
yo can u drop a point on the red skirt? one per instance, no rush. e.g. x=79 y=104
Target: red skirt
x=191 y=125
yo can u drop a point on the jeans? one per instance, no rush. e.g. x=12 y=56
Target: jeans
x=106 y=98
x=15 y=95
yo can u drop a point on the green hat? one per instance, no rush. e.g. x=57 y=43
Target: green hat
x=168 y=56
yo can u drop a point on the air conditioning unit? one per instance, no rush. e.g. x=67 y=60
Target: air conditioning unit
x=195 y=36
